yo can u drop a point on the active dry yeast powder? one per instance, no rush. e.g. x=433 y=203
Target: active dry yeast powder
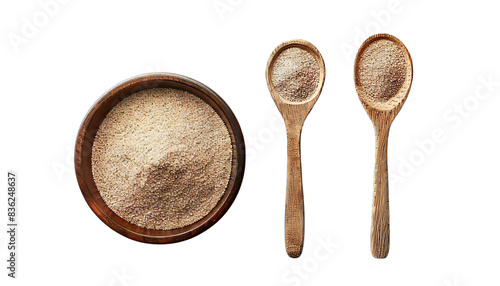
x=295 y=74
x=161 y=158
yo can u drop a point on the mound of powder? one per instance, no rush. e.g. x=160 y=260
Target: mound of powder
x=161 y=158
x=382 y=70
x=295 y=74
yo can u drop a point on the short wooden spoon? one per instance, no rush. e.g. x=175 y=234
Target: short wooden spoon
x=383 y=73
x=295 y=74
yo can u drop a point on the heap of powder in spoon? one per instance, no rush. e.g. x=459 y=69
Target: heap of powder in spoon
x=295 y=74
x=382 y=70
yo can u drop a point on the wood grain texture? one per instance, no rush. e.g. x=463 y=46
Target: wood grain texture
x=380 y=230
x=382 y=115
x=294 y=208
x=88 y=130
x=294 y=115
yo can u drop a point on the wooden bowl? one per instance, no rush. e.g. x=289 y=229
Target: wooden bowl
x=85 y=140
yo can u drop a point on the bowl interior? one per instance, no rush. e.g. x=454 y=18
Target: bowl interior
x=85 y=140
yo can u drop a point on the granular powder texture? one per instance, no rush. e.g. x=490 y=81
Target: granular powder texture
x=161 y=158
x=382 y=70
x=295 y=74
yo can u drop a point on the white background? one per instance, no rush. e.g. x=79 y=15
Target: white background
x=444 y=202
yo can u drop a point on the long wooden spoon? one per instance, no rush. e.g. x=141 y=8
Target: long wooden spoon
x=295 y=74
x=383 y=73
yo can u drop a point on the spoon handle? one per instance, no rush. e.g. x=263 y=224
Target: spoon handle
x=380 y=215
x=294 y=210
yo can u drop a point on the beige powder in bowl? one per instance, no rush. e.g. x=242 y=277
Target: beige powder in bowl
x=295 y=74
x=161 y=158
x=382 y=70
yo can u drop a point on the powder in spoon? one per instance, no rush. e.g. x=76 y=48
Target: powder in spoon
x=382 y=70
x=161 y=158
x=295 y=74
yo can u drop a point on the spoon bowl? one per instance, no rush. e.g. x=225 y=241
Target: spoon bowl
x=295 y=75
x=383 y=73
